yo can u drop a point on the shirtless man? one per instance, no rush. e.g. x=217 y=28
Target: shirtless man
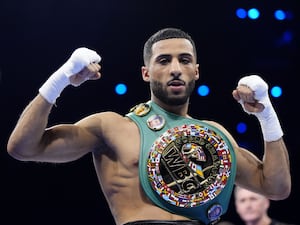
x=149 y=172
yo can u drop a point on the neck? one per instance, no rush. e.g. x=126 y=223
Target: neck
x=181 y=110
x=262 y=221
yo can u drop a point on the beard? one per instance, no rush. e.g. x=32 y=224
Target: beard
x=162 y=94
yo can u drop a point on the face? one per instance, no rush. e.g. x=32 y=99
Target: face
x=250 y=206
x=172 y=71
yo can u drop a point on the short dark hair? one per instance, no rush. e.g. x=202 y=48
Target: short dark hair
x=163 y=34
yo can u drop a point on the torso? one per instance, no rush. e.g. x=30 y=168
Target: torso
x=117 y=171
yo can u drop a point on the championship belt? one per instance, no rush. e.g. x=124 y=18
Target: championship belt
x=186 y=166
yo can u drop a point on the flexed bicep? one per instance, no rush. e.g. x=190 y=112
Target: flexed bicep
x=64 y=143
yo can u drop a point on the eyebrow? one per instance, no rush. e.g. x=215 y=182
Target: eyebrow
x=168 y=55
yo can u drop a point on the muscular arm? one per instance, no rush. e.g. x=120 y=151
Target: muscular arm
x=32 y=141
x=269 y=176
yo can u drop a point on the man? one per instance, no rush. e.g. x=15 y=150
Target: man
x=162 y=167
x=253 y=208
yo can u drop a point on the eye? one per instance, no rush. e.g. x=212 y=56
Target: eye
x=164 y=61
x=185 y=60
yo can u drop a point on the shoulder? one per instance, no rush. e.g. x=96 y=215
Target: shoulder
x=109 y=128
x=104 y=120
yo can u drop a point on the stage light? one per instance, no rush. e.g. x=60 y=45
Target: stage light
x=276 y=91
x=241 y=13
x=121 y=89
x=287 y=36
x=289 y=15
x=279 y=14
x=253 y=13
x=203 y=90
x=285 y=39
x=241 y=127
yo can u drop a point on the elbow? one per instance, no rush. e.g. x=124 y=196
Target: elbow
x=15 y=151
x=282 y=196
x=283 y=192
x=286 y=191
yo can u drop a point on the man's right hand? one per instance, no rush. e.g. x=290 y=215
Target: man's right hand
x=81 y=66
x=89 y=72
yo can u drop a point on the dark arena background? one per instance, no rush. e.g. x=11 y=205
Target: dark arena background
x=233 y=38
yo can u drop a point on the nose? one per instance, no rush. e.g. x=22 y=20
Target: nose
x=175 y=68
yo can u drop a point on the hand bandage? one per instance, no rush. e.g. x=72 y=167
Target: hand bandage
x=268 y=119
x=80 y=58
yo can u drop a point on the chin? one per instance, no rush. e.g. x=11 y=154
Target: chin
x=250 y=218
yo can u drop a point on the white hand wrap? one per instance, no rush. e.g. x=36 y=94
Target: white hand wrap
x=268 y=119
x=55 y=84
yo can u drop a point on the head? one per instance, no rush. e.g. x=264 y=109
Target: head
x=171 y=67
x=250 y=206
x=164 y=34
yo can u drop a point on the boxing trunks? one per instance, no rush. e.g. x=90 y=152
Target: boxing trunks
x=186 y=166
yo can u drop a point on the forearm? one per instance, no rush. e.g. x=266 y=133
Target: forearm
x=271 y=175
x=26 y=137
x=276 y=170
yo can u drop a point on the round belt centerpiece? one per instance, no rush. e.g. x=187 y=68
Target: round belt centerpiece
x=188 y=165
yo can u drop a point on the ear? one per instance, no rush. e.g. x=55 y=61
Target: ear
x=267 y=204
x=197 y=73
x=145 y=74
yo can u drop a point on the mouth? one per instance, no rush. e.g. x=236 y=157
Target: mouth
x=177 y=86
x=176 y=83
